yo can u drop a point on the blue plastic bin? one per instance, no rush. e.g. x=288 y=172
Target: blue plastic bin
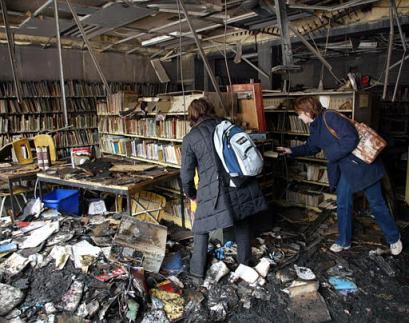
x=64 y=200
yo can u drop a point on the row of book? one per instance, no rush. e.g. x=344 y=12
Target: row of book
x=42 y=105
x=304 y=197
x=296 y=125
x=84 y=121
x=21 y=123
x=111 y=124
x=4 y=125
x=317 y=173
x=148 y=149
x=171 y=128
x=76 y=138
x=82 y=88
x=52 y=88
x=4 y=140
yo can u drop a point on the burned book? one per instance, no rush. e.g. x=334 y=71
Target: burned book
x=142 y=243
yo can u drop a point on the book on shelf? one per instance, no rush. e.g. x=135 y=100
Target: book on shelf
x=304 y=197
x=122 y=101
x=24 y=123
x=4 y=140
x=4 y=125
x=3 y=106
x=142 y=127
x=296 y=125
x=76 y=137
x=317 y=173
x=84 y=121
x=147 y=149
x=111 y=124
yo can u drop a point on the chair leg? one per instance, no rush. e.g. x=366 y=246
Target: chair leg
x=2 y=206
x=24 y=198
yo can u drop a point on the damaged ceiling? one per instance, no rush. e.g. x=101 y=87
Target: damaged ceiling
x=160 y=29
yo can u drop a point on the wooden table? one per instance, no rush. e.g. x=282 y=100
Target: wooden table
x=88 y=184
x=17 y=173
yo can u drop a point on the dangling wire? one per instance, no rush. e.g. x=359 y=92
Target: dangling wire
x=180 y=59
x=225 y=60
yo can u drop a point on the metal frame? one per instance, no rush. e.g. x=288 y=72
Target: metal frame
x=63 y=98
x=10 y=46
x=90 y=49
x=202 y=53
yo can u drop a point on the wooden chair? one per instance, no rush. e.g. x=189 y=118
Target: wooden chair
x=17 y=191
x=22 y=151
x=46 y=141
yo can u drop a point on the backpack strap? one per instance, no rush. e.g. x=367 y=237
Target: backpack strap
x=332 y=130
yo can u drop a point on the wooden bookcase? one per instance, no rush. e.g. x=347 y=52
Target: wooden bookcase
x=154 y=132
x=305 y=179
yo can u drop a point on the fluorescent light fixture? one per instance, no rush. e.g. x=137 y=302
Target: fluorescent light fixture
x=155 y=40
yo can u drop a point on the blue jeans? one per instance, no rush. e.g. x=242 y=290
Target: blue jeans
x=378 y=206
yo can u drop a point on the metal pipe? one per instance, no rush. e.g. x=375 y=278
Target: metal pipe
x=202 y=54
x=388 y=60
x=314 y=51
x=10 y=46
x=63 y=98
x=90 y=49
x=395 y=90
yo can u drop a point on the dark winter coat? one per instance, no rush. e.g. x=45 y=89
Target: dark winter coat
x=358 y=174
x=217 y=206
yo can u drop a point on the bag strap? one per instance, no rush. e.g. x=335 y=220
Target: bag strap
x=332 y=130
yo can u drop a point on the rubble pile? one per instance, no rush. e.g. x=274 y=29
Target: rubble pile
x=117 y=268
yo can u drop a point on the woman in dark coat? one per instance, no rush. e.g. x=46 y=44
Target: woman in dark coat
x=347 y=173
x=218 y=206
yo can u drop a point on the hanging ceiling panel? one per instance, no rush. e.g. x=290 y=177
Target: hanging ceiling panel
x=44 y=26
x=117 y=15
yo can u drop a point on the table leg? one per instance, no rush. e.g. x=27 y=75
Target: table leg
x=40 y=189
x=182 y=203
x=129 y=204
x=13 y=206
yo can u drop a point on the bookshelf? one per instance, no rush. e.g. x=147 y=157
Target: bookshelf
x=305 y=178
x=41 y=110
x=149 y=129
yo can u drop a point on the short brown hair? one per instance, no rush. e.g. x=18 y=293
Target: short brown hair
x=200 y=108
x=308 y=104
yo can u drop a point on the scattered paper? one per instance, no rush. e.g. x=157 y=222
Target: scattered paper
x=36 y=237
x=14 y=264
x=84 y=254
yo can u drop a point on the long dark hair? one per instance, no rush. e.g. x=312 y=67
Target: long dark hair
x=198 y=109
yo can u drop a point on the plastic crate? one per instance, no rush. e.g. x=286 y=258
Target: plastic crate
x=64 y=200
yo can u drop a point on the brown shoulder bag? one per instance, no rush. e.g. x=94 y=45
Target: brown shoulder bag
x=370 y=142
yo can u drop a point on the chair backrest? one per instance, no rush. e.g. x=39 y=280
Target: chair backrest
x=46 y=141
x=22 y=151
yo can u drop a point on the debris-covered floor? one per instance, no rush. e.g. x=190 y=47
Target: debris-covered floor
x=77 y=269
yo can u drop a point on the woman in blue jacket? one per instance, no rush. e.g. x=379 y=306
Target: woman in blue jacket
x=347 y=174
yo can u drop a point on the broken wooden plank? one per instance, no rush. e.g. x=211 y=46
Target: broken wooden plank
x=124 y=168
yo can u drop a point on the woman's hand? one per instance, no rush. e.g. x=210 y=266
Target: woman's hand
x=283 y=151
